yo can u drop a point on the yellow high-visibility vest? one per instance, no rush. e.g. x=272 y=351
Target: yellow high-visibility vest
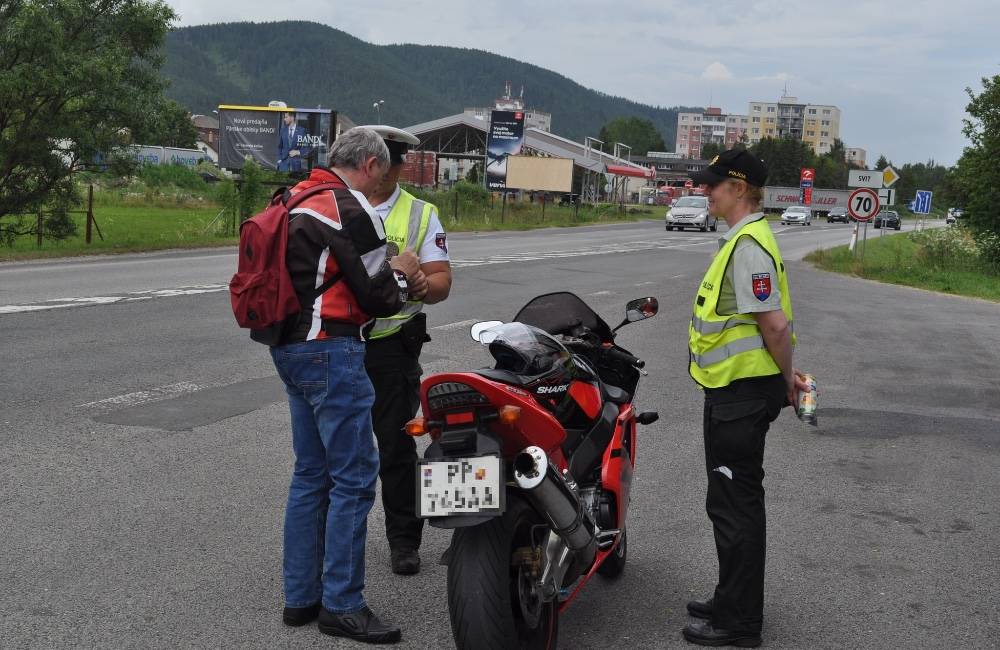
x=726 y=347
x=406 y=226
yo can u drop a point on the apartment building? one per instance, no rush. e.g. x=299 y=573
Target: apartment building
x=818 y=125
x=695 y=130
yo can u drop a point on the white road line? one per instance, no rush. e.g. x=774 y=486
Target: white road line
x=600 y=293
x=456 y=326
x=149 y=294
x=145 y=396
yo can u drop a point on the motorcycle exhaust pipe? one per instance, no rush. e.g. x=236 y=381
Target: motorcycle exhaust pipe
x=547 y=490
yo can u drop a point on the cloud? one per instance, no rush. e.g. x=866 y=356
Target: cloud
x=717 y=72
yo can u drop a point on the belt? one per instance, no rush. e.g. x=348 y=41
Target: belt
x=340 y=328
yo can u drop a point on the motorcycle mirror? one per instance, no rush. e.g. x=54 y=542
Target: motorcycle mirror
x=641 y=309
x=478 y=331
x=637 y=310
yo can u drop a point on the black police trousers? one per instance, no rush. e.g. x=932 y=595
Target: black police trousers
x=395 y=374
x=737 y=418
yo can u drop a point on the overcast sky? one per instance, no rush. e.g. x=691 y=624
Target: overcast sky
x=896 y=68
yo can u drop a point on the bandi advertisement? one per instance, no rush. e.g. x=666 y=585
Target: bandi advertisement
x=278 y=138
x=505 y=138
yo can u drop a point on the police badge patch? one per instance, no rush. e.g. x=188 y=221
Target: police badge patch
x=761 y=286
x=441 y=240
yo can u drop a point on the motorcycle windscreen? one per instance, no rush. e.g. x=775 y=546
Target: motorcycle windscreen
x=557 y=313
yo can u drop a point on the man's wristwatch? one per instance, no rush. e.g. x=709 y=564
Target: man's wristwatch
x=402 y=284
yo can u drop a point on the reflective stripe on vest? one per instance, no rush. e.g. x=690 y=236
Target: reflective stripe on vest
x=714 y=327
x=725 y=347
x=411 y=216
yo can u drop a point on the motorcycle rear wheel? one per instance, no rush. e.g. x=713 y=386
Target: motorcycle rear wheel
x=485 y=603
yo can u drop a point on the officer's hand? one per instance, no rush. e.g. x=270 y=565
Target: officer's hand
x=418 y=285
x=797 y=384
x=407 y=262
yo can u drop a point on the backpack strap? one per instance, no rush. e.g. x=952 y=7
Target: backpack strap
x=291 y=200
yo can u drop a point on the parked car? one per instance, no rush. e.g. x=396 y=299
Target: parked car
x=890 y=218
x=838 y=214
x=950 y=218
x=797 y=214
x=691 y=212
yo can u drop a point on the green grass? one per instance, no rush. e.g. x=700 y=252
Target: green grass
x=129 y=229
x=898 y=259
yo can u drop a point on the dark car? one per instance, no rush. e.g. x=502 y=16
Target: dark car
x=837 y=214
x=888 y=217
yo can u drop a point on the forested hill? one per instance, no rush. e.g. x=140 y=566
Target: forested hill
x=308 y=64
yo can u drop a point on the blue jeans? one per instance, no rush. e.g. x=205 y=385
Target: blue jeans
x=336 y=466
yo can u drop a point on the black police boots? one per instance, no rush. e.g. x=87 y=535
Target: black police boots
x=700 y=608
x=702 y=633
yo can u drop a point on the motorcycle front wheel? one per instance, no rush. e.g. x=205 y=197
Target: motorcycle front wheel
x=489 y=597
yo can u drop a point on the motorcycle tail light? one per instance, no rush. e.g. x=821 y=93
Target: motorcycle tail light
x=464 y=417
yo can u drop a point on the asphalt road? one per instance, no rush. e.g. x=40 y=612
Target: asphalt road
x=144 y=455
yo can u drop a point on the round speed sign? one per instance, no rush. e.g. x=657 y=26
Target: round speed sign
x=863 y=204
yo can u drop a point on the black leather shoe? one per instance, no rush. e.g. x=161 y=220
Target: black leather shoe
x=702 y=633
x=361 y=625
x=701 y=608
x=405 y=561
x=298 y=616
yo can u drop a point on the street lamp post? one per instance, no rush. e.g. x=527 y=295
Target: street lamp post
x=378 y=109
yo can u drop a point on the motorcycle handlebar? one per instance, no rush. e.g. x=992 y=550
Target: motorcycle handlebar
x=624 y=357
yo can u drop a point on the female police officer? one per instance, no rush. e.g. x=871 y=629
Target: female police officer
x=740 y=342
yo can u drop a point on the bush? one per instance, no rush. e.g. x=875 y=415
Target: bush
x=943 y=248
x=988 y=244
x=171 y=175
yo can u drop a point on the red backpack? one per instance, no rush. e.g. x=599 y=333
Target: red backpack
x=261 y=291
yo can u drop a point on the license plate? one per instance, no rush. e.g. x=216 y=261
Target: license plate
x=460 y=486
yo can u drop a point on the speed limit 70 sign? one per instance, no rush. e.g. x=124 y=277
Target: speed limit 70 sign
x=863 y=204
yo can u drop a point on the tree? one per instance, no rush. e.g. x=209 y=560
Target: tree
x=975 y=183
x=882 y=163
x=169 y=125
x=711 y=150
x=638 y=133
x=785 y=158
x=75 y=77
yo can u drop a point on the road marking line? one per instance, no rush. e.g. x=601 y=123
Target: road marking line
x=144 y=396
x=456 y=325
x=62 y=303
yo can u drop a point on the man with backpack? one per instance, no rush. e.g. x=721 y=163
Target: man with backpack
x=336 y=258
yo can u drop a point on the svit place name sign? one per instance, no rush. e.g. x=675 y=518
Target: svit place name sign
x=865 y=178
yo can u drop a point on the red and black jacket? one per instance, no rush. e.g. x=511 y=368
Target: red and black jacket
x=331 y=233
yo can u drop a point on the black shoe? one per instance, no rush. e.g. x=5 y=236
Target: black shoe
x=361 y=625
x=405 y=561
x=701 y=608
x=298 y=616
x=702 y=633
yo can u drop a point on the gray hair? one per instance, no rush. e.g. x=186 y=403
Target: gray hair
x=355 y=146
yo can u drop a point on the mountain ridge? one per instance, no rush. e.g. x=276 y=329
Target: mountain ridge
x=209 y=65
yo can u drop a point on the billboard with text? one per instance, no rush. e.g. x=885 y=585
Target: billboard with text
x=277 y=137
x=505 y=138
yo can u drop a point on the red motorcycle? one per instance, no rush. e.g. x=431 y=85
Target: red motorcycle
x=531 y=463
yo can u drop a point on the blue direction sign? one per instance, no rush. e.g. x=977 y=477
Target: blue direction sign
x=922 y=202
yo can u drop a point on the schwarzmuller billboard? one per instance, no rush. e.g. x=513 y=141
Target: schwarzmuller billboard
x=505 y=138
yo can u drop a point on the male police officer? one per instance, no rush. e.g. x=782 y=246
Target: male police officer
x=740 y=343
x=393 y=349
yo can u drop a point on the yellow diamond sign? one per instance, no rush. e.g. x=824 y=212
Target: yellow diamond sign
x=889 y=176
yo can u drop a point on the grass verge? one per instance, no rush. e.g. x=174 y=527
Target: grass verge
x=903 y=259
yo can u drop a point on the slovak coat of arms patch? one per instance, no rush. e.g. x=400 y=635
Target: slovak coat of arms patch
x=761 y=286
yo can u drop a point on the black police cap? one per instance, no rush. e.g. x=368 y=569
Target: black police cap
x=733 y=164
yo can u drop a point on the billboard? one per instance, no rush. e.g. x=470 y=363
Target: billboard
x=505 y=138
x=540 y=174
x=277 y=137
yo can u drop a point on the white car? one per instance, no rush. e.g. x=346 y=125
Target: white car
x=797 y=214
x=691 y=212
